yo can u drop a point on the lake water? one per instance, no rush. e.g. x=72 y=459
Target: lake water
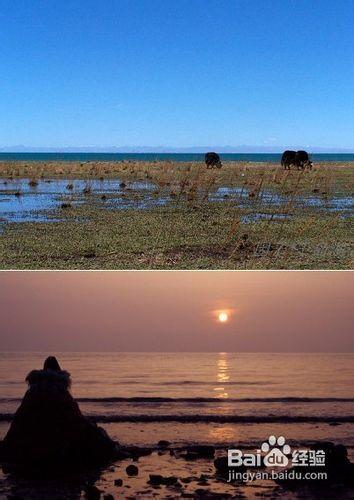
x=253 y=157
x=201 y=397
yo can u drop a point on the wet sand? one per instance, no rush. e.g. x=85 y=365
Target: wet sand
x=299 y=399
x=170 y=470
x=157 y=473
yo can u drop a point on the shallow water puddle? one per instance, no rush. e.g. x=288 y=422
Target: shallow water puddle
x=64 y=186
x=344 y=204
x=241 y=193
x=27 y=208
x=262 y=216
x=23 y=201
x=126 y=204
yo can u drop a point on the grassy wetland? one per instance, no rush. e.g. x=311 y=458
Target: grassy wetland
x=175 y=215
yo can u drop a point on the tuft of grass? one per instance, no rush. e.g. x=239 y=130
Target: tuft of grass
x=263 y=223
x=175 y=238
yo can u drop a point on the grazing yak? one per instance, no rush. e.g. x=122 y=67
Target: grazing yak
x=299 y=159
x=212 y=160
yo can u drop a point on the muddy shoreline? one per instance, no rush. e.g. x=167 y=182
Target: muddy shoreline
x=188 y=472
x=136 y=215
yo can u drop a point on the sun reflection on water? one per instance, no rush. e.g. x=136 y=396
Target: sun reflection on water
x=222 y=375
x=222 y=433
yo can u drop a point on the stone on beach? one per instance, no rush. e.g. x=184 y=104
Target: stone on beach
x=157 y=479
x=204 y=451
x=92 y=493
x=222 y=468
x=337 y=467
x=163 y=443
x=132 y=470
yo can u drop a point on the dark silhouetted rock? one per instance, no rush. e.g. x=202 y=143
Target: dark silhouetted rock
x=200 y=492
x=49 y=432
x=157 y=480
x=203 y=451
x=212 y=160
x=92 y=493
x=163 y=443
x=171 y=480
x=187 y=480
x=189 y=455
x=135 y=452
x=132 y=470
x=222 y=468
x=339 y=470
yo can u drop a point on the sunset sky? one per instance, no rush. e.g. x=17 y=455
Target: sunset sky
x=176 y=311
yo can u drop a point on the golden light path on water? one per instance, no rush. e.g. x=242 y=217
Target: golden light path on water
x=222 y=432
x=222 y=375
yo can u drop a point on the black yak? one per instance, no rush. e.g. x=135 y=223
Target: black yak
x=212 y=160
x=299 y=159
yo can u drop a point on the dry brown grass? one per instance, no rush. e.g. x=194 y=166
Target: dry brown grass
x=192 y=231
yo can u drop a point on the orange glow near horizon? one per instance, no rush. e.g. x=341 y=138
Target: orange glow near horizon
x=223 y=315
x=180 y=311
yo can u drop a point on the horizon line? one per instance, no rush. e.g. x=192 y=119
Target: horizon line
x=169 y=150
x=174 y=352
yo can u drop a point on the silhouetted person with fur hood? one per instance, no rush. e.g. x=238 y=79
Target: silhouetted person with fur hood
x=49 y=430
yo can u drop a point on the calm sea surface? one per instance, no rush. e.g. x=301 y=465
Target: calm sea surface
x=201 y=397
x=225 y=385
x=254 y=157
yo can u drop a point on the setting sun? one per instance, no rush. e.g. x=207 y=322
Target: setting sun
x=223 y=317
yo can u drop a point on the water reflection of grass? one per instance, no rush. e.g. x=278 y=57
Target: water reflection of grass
x=192 y=219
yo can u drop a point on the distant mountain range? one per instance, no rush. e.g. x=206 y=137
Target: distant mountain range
x=167 y=149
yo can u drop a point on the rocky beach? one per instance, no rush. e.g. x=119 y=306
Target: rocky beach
x=52 y=447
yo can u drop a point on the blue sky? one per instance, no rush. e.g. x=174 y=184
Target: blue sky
x=177 y=73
